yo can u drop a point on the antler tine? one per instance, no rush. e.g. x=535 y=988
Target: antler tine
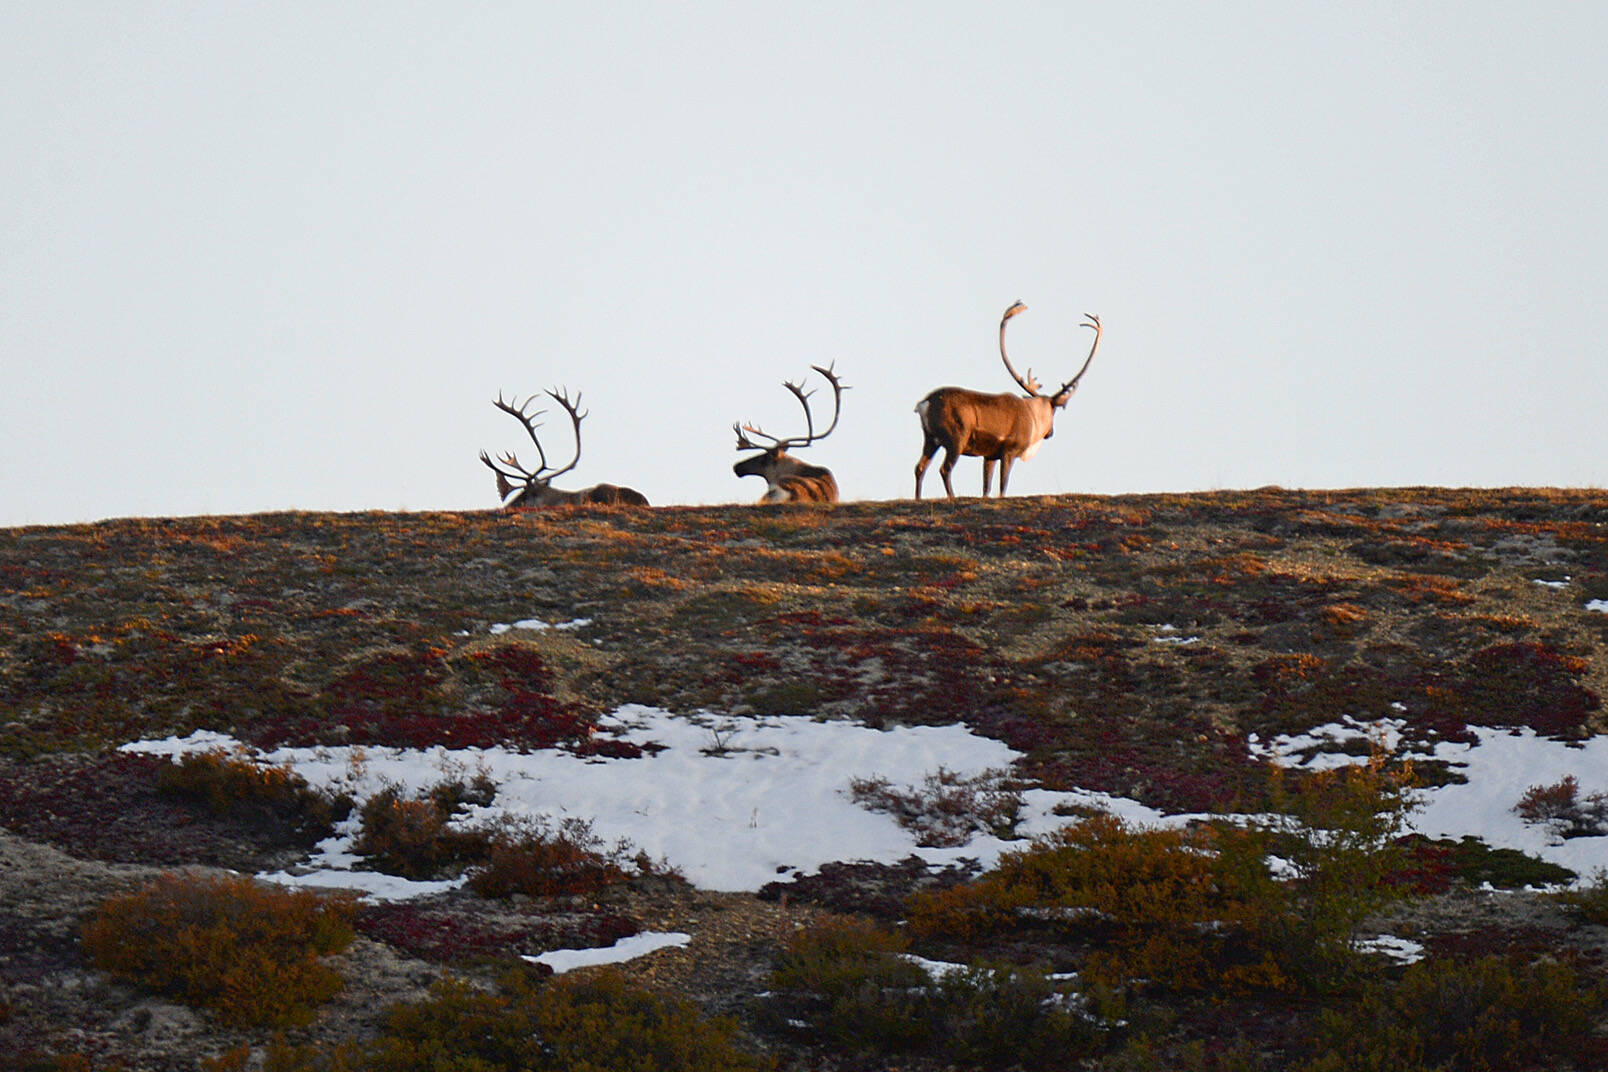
x=504 y=487
x=517 y=410
x=511 y=460
x=520 y=412
x=803 y=397
x=838 y=387
x=561 y=396
x=744 y=443
x=1089 y=321
x=810 y=435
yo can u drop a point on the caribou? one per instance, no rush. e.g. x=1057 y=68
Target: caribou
x=787 y=478
x=998 y=428
x=534 y=487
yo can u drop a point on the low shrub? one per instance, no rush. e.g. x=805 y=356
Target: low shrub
x=1004 y=1015
x=237 y=787
x=845 y=979
x=251 y=952
x=850 y=985
x=1472 y=861
x=1562 y=809
x=1485 y=1015
x=282 y=1056
x=868 y=888
x=1337 y=834
x=1141 y=1053
x=65 y=1062
x=1185 y=909
x=455 y=793
x=1200 y=909
x=1588 y=903
x=412 y=836
x=539 y=859
x=571 y=1023
x=947 y=809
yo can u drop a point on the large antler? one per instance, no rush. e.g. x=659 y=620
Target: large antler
x=1028 y=383
x=561 y=396
x=803 y=396
x=520 y=412
x=509 y=459
x=1089 y=321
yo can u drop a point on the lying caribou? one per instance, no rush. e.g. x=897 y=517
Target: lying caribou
x=535 y=488
x=789 y=479
x=998 y=428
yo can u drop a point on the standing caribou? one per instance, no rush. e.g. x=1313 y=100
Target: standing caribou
x=789 y=479
x=536 y=487
x=998 y=428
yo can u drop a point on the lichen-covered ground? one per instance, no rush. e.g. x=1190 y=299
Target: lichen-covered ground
x=1128 y=644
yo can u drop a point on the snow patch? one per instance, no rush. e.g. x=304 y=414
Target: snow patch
x=1499 y=767
x=638 y=945
x=1402 y=950
x=773 y=798
x=538 y=626
x=1344 y=740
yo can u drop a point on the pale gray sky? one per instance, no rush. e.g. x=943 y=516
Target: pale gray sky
x=262 y=256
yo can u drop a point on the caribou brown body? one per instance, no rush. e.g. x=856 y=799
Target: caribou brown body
x=597 y=494
x=789 y=479
x=533 y=488
x=996 y=427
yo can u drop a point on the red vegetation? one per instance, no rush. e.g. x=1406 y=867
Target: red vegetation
x=444 y=935
x=425 y=697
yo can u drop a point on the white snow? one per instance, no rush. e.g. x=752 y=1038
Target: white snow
x=732 y=803
x=736 y=802
x=1170 y=635
x=1500 y=767
x=638 y=945
x=537 y=625
x=1598 y=605
x=937 y=970
x=1382 y=734
x=1404 y=950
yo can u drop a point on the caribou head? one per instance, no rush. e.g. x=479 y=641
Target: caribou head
x=787 y=478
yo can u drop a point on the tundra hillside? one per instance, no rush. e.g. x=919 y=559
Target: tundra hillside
x=1033 y=620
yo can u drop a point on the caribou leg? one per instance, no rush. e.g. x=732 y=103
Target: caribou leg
x=929 y=447
x=946 y=467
